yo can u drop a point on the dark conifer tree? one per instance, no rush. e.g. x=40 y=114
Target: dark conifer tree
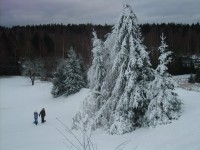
x=58 y=80
x=69 y=78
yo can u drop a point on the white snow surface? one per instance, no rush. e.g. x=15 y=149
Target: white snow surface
x=19 y=99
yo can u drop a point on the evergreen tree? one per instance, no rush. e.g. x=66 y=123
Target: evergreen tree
x=191 y=78
x=58 y=80
x=130 y=74
x=74 y=80
x=83 y=70
x=97 y=71
x=69 y=78
x=123 y=95
x=164 y=105
x=197 y=76
x=96 y=76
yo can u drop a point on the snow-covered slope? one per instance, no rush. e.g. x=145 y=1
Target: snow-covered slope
x=19 y=99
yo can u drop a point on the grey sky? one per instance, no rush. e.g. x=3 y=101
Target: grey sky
x=28 y=12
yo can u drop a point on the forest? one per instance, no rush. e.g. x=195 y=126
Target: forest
x=52 y=41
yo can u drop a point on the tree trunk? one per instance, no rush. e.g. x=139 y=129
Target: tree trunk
x=33 y=80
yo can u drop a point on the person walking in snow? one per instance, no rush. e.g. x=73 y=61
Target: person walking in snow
x=42 y=114
x=35 y=114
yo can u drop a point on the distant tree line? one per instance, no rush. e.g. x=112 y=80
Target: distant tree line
x=182 y=39
x=52 y=41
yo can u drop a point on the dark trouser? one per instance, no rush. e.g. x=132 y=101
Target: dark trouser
x=36 y=121
x=42 y=119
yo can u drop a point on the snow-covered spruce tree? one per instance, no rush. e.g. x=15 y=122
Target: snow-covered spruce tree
x=74 y=80
x=197 y=76
x=164 y=105
x=97 y=71
x=69 y=78
x=83 y=70
x=123 y=93
x=96 y=76
x=58 y=79
x=131 y=71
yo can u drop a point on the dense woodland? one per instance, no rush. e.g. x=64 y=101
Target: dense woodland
x=52 y=42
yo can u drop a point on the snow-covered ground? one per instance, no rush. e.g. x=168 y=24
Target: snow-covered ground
x=182 y=81
x=19 y=99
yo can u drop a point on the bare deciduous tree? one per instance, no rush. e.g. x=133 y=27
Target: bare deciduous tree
x=32 y=68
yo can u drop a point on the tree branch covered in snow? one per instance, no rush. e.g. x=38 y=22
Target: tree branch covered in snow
x=33 y=68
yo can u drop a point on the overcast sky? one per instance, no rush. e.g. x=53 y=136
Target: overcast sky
x=28 y=12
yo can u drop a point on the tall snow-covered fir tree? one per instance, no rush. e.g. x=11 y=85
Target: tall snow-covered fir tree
x=58 y=80
x=130 y=75
x=97 y=71
x=74 y=80
x=123 y=95
x=164 y=105
x=96 y=76
x=69 y=77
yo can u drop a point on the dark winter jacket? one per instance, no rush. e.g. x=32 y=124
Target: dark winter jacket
x=42 y=113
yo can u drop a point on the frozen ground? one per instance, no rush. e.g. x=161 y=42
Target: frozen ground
x=182 y=81
x=19 y=99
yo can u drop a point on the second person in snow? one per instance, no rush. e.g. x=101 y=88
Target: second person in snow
x=42 y=114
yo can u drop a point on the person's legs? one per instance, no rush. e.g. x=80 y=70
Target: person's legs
x=42 y=119
x=36 y=121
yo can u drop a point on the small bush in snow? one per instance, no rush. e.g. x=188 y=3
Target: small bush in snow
x=197 y=76
x=191 y=78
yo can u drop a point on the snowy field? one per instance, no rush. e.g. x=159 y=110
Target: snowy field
x=182 y=81
x=19 y=99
